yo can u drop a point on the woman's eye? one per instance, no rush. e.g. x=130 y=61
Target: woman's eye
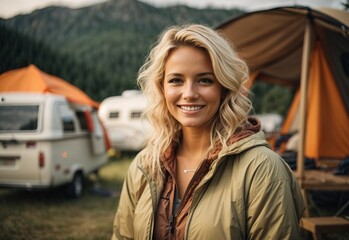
x=206 y=80
x=175 y=80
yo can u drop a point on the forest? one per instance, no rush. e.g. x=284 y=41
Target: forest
x=101 y=47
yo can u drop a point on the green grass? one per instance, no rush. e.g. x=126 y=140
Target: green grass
x=51 y=215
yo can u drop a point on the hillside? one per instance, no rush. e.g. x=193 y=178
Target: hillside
x=19 y=50
x=111 y=38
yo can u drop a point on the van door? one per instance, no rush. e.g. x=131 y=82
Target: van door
x=19 y=154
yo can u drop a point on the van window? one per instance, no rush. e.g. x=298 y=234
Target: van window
x=19 y=117
x=82 y=120
x=136 y=114
x=114 y=115
x=67 y=118
x=68 y=124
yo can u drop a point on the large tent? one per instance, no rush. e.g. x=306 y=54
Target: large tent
x=307 y=50
x=32 y=79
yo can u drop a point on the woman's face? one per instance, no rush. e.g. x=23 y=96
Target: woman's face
x=191 y=90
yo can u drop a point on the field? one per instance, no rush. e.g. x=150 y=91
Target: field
x=51 y=216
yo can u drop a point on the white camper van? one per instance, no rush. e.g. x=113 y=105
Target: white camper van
x=45 y=141
x=121 y=115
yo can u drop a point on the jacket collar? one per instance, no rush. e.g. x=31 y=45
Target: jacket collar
x=239 y=141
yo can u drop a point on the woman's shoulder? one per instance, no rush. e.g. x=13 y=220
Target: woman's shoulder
x=262 y=162
x=136 y=171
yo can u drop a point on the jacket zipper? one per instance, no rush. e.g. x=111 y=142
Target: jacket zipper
x=172 y=225
x=150 y=237
x=175 y=208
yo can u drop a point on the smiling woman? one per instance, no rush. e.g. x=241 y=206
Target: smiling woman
x=206 y=171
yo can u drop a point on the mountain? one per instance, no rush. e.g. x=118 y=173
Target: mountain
x=60 y=25
x=111 y=39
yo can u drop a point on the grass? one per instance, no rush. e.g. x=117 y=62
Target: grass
x=48 y=215
x=51 y=216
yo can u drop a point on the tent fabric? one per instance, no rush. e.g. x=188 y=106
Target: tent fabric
x=32 y=79
x=272 y=41
x=327 y=113
x=291 y=121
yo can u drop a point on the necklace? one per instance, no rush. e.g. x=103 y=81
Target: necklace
x=189 y=170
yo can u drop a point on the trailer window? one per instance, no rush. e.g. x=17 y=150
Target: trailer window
x=19 y=118
x=136 y=114
x=114 y=115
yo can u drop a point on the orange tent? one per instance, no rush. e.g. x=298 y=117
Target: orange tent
x=32 y=79
x=307 y=50
x=327 y=123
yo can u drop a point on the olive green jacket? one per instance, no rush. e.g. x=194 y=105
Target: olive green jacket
x=249 y=193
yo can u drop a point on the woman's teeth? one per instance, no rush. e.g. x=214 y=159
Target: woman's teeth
x=190 y=108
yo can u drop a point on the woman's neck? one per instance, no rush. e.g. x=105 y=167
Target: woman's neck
x=194 y=143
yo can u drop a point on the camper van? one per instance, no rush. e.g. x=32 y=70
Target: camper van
x=46 y=141
x=121 y=115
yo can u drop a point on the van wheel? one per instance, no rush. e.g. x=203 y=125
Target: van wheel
x=75 y=189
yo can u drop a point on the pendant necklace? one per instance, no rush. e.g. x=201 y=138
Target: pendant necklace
x=189 y=170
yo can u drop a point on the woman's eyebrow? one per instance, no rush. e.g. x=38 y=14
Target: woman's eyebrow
x=205 y=73
x=173 y=74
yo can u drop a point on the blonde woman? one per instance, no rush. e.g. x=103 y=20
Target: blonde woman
x=207 y=171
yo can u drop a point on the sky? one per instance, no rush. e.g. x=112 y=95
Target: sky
x=10 y=8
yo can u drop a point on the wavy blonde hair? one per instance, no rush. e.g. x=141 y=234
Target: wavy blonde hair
x=230 y=71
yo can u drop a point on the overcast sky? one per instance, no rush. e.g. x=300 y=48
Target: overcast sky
x=10 y=8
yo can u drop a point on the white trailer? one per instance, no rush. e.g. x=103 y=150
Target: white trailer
x=121 y=115
x=46 y=141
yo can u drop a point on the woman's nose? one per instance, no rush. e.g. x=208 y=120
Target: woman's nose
x=190 y=91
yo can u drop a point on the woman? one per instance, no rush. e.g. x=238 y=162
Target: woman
x=207 y=171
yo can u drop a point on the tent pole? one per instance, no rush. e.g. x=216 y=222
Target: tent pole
x=303 y=100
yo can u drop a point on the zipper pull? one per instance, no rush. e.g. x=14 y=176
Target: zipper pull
x=172 y=224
